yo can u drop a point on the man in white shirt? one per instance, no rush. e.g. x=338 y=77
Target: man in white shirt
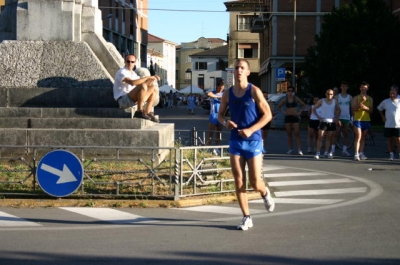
x=344 y=101
x=129 y=90
x=391 y=106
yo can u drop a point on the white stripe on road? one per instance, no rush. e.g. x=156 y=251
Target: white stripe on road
x=319 y=192
x=11 y=220
x=270 y=168
x=301 y=201
x=108 y=215
x=284 y=175
x=218 y=209
x=308 y=182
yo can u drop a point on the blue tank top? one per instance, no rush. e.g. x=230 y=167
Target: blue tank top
x=244 y=112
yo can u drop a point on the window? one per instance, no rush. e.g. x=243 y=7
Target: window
x=248 y=50
x=244 y=22
x=200 y=81
x=221 y=65
x=201 y=66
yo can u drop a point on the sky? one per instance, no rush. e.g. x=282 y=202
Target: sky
x=187 y=24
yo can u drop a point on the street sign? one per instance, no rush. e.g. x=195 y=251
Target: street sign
x=280 y=74
x=59 y=173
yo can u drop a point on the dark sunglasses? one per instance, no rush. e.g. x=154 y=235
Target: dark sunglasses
x=130 y=61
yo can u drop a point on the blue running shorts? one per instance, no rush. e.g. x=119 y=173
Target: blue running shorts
x=247 y=149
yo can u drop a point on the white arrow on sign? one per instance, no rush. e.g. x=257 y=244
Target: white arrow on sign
x=65 y=174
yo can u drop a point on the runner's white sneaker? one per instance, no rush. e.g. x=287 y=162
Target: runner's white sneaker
x=330 y=155
x=269 y=203
x=356 y=158
x=317 y=155
x=300 y=152
x=245 y=224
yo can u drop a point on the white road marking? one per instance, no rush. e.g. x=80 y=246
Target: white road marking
x=301 y=201
x=271 y=168
x=108 y=215
x=11 y=220
x=319 y=192
x=218 y=209
x=296 y=174
x=308 y=182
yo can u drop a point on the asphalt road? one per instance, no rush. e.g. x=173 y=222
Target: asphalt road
x=334 y=211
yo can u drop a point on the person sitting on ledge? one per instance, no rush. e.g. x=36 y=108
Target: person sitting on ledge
x=129 y=90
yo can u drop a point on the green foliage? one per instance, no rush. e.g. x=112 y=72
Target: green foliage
x=358 y=42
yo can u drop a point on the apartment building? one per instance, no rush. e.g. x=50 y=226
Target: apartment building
x=162 y=54
x=209 y=67
x=285 y=29
x=125 y=24
x=184 y=64
x=243 y=43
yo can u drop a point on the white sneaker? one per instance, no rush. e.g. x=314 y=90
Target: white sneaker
x=363 y=157
x=391 y=158
x=345 y=153
x=269 y=203
x=330 y=156
x=300 y=152
x=356 y=158
x=316 y=156
x=289 y=152
x=245 y=224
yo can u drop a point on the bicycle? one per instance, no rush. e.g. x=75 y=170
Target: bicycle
x=369 y=139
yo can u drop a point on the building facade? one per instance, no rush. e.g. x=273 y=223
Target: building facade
x=125 y=24
x=243 y=43
x=184 y=61
x=209 y=67
x=162 y=54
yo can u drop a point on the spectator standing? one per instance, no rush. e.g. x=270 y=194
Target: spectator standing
x=292 y=118
x=391 y=118
x=249 y=113
x=344 y=121
x=328 y=115
x=362 y=107
x=191 y=103
x=313 y=124
x=170 y=100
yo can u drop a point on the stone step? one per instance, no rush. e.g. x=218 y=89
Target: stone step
x=64 y=112
x=74 y=123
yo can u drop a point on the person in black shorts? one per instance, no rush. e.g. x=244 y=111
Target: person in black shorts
x=313 y=124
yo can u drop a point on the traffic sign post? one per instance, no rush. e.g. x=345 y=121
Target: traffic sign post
x=59 y=173
x=280 y=74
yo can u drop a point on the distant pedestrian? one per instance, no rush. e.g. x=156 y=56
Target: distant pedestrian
x=249 y=113
x=391 y=106
x=312 y=131
x=191 y=103
x=170 y=100
x=362 y=107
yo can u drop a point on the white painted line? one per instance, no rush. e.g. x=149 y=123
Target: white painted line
x=108 y=215
x=308 y=182
x=319 y=192
x=284 y=175
x=270 y=168
x=301 y=201
x=219 y=209
x=11 y=220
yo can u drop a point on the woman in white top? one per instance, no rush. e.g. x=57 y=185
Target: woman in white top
x=328 y=115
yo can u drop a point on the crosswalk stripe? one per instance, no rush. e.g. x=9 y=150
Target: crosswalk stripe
x=301 y=201
x=271 y=168
x=319 y=192
x=11 y=220
x=108 y=215
x=296 y=174
x=308 y=182
x=218 y=209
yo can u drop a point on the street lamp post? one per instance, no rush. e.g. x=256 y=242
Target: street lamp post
x=294 y=46
x=189 y=71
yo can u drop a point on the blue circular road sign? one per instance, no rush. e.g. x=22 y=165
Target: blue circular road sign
x=59 y=173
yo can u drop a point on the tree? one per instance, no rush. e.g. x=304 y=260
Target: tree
x=359 y=42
